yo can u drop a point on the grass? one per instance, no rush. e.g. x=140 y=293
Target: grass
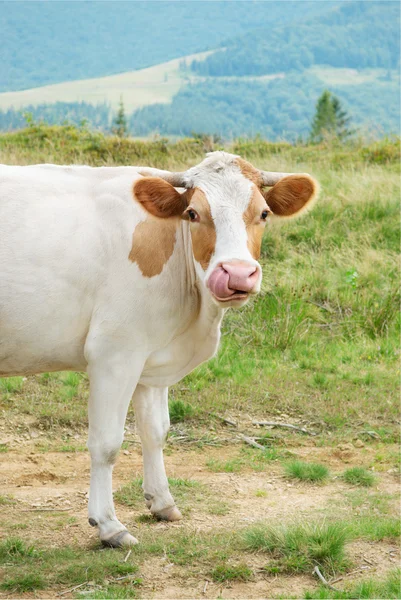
x=223 y=555
x=320 y=344
x=113 y=591
x=303 y=471
x=180 y=411
x=375 y=528
x=6 y=499
x=14 y=549
x=33 y=568
x=248 y=459
x=298 y=548
x=27 y=583
x=321 y=340
x=186 y=492
x=11 y=385
x=359 y=476
x=226 y=572
x=387 y=589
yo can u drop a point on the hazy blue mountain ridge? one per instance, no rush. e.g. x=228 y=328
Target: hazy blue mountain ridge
x=353 y=34
x=313 y=44
x=50 y=42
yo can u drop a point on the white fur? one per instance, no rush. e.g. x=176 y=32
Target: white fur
x=71 y=299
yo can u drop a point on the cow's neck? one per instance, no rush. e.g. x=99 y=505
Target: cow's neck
x=197 y=333
x=208 y=314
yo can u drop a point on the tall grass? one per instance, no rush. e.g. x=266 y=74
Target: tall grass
x=322 y=337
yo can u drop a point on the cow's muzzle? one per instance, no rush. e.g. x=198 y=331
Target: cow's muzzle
x=234 y=281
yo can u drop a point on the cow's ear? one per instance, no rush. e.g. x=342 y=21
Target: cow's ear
x=292 y=195
x=159 y=198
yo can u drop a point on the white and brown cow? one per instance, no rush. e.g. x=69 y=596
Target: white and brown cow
x=114 y=272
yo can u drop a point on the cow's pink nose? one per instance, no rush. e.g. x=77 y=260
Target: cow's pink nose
x=242 y=275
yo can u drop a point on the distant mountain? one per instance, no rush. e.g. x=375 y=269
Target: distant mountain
x=281 y=108
x=50 y=42
x=358 y=35
x=270 y=63
x=358 y=40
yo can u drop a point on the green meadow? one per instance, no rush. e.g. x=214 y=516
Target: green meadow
x=318 y=349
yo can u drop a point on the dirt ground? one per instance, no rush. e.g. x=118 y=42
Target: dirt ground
x=56 y=483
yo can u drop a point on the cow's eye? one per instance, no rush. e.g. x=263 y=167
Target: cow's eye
x=264 y=215
x=192 y=215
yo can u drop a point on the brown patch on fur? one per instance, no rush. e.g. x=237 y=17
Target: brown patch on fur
x=159 y=198
x=254 y=224
x=203 y=234
x=153 y=244
x=291 y=195
x=250 y=172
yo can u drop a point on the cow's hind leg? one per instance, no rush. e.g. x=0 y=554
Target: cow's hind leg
x=111 y=387
x=152 y=418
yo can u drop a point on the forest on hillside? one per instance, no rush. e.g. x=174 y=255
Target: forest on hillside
x=356 y=35
x=230 y=93
x=278 y=109
x=50 y=42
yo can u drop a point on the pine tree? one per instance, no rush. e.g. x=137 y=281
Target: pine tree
x=120 y=126
x=324 y=121
x=342 y=119
x=330 y=119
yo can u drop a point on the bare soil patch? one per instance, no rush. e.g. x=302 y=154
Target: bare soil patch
x=48 y=507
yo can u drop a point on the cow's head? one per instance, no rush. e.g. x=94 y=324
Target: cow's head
x=227 y=203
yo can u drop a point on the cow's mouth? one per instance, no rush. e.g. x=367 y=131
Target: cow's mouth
x=232 y=283
x=235 y=296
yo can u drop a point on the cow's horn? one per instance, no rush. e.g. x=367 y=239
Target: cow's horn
x=175 y=179
x=270 y=178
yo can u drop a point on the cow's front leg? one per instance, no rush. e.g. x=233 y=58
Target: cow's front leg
x=153 y=422
x=112 y=383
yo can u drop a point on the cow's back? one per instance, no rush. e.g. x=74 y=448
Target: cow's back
x=54 y=240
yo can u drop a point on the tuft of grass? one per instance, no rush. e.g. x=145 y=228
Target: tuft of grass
x=180 y=411
x=15 y=549
x=303 y=471
x=114 y=592
x=359 y=476
x=298 y=548
x=3 y=448
x=387 y=589
x=228 y=466
x=375 y=528
x=11 y=384
x=6 y=500
x=220 y=509
x=247 y=458
x=226 y=572
x=28 y=569
x=24 y=583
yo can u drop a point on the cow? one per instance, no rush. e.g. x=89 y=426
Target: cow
x=126 y=273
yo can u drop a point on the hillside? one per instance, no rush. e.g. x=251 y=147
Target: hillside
x=281 y=108
x=353 y=34
x=264 y=79
x=137 y=88
x=52 y=42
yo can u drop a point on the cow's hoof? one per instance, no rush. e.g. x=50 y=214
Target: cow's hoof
x=122 y=539
x=169 y=514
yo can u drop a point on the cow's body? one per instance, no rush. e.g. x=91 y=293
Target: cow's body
x=92 y=281
x=67 y=284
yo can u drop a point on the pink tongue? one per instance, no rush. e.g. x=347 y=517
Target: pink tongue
x=218 y=283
